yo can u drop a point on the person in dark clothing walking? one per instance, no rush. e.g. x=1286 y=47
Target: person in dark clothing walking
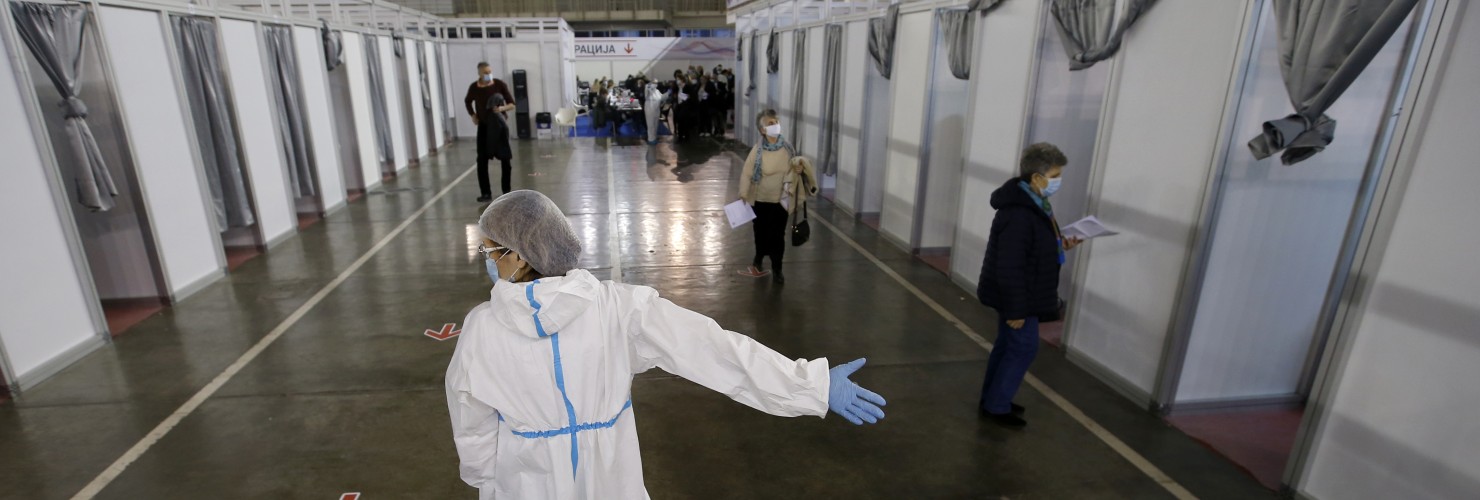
x=1020 y=275
x=487 y=101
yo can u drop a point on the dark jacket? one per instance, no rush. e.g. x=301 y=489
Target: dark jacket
x=1020 y=272
x=493 y=131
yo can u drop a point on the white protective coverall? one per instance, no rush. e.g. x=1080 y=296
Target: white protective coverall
x=539 y=388
x=653 y=108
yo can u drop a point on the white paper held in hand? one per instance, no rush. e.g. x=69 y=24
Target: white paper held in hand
x=739 y=213
x=1086 y=228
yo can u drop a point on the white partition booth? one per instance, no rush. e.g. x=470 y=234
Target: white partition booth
x=153 y=233
x=543 y=49
x=1234 y=280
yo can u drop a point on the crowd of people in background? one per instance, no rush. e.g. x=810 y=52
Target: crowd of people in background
x=696 y=102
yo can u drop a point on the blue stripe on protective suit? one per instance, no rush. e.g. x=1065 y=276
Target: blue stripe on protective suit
x=570 y=409
x=589 y=426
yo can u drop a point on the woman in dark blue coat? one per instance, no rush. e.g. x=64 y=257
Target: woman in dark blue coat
x=1020 y=275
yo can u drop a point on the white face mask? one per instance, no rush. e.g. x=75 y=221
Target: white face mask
x=773 y=130
x=487 y=77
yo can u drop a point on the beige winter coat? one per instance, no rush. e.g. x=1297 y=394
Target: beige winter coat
x=777 y=174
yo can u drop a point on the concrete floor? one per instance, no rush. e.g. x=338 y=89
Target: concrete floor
x=350 y=398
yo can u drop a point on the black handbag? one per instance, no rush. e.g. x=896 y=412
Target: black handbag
x=800 y=231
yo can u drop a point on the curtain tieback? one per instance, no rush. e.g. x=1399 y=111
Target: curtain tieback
x=73 y=108
x=1298 y=136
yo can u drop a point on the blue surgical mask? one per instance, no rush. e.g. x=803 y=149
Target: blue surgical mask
x=492 y=270
x=486 y=78
x=1053 y=186
x=492 y=265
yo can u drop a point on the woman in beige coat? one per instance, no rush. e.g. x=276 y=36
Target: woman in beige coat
x=774 y=181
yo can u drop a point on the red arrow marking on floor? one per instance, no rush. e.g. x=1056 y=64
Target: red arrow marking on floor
x=350 y=496
x=448 y=331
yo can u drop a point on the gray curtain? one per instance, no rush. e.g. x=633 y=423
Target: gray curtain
x=983 y=6
x=1089 y=30
x=773 y=53
x=881 y=33
x=397 y=47
x=292 y=127
x=426 y=81
x=957 y=30
x=377 y=104
x=54 y=34
x=333 y=46
x=1324 y=46
x=832 y=90
x=215 y=129
x=798 y=86
x=750 y=75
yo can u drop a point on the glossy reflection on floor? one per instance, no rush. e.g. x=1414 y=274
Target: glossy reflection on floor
x=350 y=398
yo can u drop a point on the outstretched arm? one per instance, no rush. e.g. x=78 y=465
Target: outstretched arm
x=693 y=346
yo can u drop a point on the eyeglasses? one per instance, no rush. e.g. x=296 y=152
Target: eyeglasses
x=489 y=251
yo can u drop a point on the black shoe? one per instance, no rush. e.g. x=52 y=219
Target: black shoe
x=485 y=198
x=1007 y=420
x=777 y=278
x=1015 y=408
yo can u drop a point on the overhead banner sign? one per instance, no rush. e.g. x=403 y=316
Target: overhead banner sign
x=646 y=49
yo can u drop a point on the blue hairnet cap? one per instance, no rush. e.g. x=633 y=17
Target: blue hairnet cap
x=528 y=223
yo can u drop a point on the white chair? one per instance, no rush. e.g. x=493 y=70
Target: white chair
x=565 y=120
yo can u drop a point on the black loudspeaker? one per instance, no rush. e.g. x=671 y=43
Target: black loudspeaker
x=521 y=104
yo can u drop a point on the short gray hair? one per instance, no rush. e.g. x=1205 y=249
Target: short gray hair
x=1039 y=159
x=761 y=116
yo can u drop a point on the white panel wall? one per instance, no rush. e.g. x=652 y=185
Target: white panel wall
x=876 y=104
x=167 y=167
x=1261 y=302
x=393 y=105
x=257 y=126
x=434 y=81
x=359 y=97
x=785 y=90
x=313 y=70
x=1159 y=138
x=811 y=109
x=526 y=56
x=911 y=81
x=1402 y=421
x=37 y=323
x=418 y=113
x=999 y=98
x=463 y=59
x=551 y=70
x=1066 y=112
x=850 y=113
x=947 y=122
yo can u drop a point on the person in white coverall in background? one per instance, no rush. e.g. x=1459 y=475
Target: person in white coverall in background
x=539 y=387
x=653 y=107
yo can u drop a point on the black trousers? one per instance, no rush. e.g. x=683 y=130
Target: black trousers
x=483 y=183
x=772 y=223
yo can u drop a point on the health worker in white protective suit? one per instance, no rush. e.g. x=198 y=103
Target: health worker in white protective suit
x=653 y=108
x=539 y=388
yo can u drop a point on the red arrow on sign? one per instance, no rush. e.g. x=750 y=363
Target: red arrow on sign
x=350 y=496
x=448 y=331
x=629 y=48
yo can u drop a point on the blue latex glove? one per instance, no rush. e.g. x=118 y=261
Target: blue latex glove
x=846 y=398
